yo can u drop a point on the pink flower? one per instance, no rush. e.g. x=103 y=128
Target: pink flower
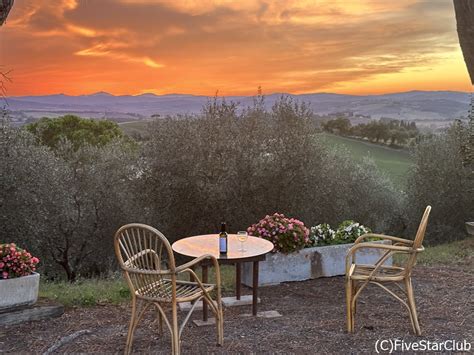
x=286 y=234
x=15 y=262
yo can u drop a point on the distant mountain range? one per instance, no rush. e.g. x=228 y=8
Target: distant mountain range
x=428 y=107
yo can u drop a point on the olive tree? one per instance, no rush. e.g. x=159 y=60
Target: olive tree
x=442 y=178
x=240 y=164
x=30 y=181
x=65 y=204
x=95 y=200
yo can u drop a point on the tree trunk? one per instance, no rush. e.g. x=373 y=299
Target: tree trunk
x=465 y=24
x=5 y=7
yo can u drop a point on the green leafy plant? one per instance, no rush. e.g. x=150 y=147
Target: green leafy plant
x=322 y=234
x=348 y=231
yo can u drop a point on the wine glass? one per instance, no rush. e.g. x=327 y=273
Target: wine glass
x=242 y=236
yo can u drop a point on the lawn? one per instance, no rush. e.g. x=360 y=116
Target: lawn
x=91 y=292
x=394 y=162
x=112 y=290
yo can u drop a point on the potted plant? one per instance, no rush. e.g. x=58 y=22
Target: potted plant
x=19 y=282
x=331 y=247
x=303 y=254
x=322 y=234
x=349 y=231
x=286 y=234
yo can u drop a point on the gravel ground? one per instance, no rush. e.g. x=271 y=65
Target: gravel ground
x=313 y=321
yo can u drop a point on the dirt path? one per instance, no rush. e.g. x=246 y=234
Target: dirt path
x=313 y=321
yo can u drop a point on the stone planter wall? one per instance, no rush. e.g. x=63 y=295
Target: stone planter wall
x=20 y=291
x=309 y=263
x=470 y=228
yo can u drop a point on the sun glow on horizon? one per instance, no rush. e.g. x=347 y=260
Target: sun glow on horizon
x=200 y=47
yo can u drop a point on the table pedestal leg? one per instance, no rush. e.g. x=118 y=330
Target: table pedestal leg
x=204 y=303
x=238 y=282
x=192 y=278
x=255 y=288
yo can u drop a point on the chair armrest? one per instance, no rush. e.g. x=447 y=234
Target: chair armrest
x=380 y=246
x=196 y=261
x=187 y=268
x=389 y=248
x=384 y=237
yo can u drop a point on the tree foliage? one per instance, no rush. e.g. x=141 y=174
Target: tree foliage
x=239 y=166
x=65 y=200
x=65 y=204
x=77 y=131
x=395 y=132
x=441 y=178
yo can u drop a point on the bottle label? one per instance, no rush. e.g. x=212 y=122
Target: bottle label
x=223 y=245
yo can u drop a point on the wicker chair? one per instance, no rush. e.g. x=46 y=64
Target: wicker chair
x=147 y=260
x=359 y=276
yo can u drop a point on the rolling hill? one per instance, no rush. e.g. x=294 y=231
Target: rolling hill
x=426 y=107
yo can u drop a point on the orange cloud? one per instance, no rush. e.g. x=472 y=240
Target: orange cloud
x=200 y=46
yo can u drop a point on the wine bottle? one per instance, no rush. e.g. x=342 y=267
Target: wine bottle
x=223 y=239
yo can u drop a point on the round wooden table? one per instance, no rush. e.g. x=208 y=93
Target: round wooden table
x=256 y=249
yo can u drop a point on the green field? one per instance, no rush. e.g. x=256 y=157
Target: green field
x=394 y=162
x=134 y=127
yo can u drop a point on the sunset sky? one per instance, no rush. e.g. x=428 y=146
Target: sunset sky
x=198 y=47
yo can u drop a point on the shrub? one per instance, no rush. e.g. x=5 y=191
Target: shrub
x=443 y=178
x=358 y=191
x=322 y=234
x=65 y=200
x=16 y=262
x=348 y=231
x=237 y=164
x=95 y=199
x=30 y=189
x=66 y=203
x=286 y=234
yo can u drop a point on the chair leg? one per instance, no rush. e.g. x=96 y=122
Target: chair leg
x=353 y=304
x=175 y=343
x=412 y=306
x=220 y=324
x=350 y=324
x=131 y=327
x=160 y=320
